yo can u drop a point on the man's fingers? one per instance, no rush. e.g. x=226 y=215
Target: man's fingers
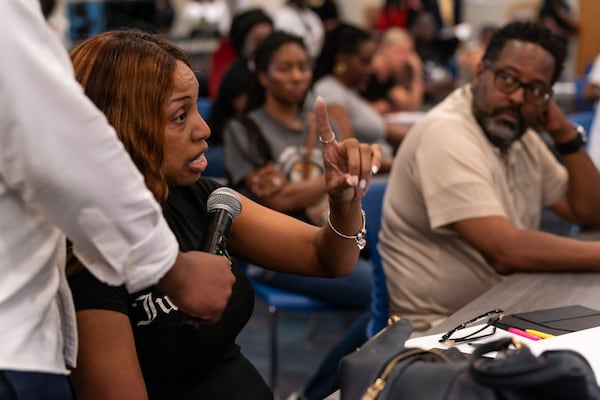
x=326 y=134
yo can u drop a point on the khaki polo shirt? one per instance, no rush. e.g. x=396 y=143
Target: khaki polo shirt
x=446 y=171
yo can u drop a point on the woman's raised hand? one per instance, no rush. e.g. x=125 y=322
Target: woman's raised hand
x=349 y=165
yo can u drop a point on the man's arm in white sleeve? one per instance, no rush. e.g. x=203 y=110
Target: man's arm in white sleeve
x=61 y=157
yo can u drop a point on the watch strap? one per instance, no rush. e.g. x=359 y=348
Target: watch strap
x=574 y=144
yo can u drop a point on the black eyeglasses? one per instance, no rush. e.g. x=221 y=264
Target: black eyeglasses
x=507 y=83
x=488 y=329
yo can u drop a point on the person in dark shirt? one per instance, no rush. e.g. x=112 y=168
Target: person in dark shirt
x=328 y=11
x=247 y=29
x=136 y=345
x=437 y=54
x=557 y=16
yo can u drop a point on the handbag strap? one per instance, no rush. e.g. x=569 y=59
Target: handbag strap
x=374 y=389
x=518 y=369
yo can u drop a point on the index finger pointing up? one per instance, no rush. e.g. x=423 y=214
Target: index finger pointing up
x=326 y=134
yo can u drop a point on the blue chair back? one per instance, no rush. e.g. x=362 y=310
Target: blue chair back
x=372 y=204
x=214 y=155
x=85 y=19
x=585 y=119
x=581 y=105
x=216 y=163
x=204 y=106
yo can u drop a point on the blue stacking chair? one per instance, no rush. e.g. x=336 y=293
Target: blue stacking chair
x=214 y=155
x=86 y=19
x=581 y=105
x=282 y=300
x=204 y=106
x=216 y=163
x=585 y=119
x=372 y=204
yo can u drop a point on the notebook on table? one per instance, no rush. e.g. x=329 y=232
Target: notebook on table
x=556 y=321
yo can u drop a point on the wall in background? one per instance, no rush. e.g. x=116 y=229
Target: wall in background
x=589 y=38
x=475 y=12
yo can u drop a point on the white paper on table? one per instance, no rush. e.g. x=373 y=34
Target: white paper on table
x=586 y=342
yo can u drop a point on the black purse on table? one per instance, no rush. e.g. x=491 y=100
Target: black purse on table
x=384 y=369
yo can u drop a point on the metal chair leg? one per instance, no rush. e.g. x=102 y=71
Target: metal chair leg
x=313 y=325
x=274 y=368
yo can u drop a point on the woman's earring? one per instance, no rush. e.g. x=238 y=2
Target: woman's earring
x=340 y=68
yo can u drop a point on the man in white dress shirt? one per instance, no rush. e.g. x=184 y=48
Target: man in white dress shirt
x=62 y=169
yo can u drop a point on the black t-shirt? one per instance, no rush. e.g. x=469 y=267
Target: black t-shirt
x=171 y=354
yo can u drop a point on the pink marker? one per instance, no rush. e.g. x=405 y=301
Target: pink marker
x=523 y=333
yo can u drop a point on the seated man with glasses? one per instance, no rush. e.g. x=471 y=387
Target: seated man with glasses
x=465 y=194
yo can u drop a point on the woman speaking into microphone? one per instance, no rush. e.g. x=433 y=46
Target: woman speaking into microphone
x=135 y=346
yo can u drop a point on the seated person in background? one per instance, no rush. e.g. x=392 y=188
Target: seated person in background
x=591 y=92
x=202 y=18
x=396 y=82
x=164 y=15
x=342 y=70
x=277 y=133
x=247 y=30
x=248 y=27
x=395 y=14
x=295 y=16
x=166 y=138
x=557 y=16
x=220 y=61
x=436 y=54
x=276 y=130
x=464 y=198
x=328 y=11
x=469 y=54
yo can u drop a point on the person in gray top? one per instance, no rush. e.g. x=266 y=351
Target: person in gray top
x=342 y=70
x=275 y=145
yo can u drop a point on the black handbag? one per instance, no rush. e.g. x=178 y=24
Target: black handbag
x=384 y=369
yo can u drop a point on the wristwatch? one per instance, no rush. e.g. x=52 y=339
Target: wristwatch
x=574 y=144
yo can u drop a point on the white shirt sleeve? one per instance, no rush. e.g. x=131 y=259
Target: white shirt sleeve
x=61 y=157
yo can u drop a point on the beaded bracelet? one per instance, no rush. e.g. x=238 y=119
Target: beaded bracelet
x=359 y=238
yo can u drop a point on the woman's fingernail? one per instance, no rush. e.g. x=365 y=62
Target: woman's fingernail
x=362 y=184
x=374 y=169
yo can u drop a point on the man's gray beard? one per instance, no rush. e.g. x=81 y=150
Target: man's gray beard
x=500 y=135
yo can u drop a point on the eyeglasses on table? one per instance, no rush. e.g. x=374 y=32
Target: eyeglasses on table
x=458 y=334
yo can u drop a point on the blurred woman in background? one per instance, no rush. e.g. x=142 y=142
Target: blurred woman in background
x=276 y=144
x=342 y=70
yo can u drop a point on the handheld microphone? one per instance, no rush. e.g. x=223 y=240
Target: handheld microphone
x=223 y=206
